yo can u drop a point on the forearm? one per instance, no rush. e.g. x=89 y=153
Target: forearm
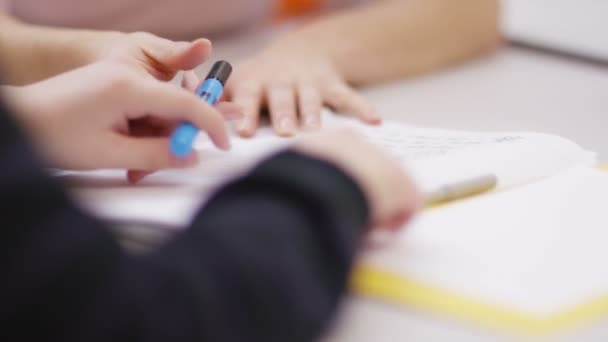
x=285 y=257
x=397 y=38
x=30 y=53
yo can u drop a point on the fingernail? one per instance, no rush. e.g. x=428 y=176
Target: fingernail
x=226 y=145
x=135 y=176
x=311 y=122
x=202 y=40
x=374 y=118
x=236 y=115
x=244 y=126
x=286 y=126
x=188 y=161
x=183 y=46
x=373 y=114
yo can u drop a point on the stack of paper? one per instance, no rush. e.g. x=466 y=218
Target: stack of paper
x=433 y=157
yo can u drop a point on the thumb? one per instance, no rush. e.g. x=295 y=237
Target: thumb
x=135 y=176
x=176 y=56
x=148 y=154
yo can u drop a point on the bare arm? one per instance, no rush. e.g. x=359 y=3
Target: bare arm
x=30 y=53
x=392 y=39
x=320 y=63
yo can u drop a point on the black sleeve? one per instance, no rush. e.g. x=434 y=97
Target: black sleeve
x=267 y=259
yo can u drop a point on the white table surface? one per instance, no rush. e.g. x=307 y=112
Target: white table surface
x=574 y=26
x=511 y=90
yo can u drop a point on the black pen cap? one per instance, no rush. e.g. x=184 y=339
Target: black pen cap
x=220 y=71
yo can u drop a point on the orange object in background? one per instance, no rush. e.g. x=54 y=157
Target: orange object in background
x=290 y=8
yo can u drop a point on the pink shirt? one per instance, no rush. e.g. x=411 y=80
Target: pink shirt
x=176 y=19
x=179 y=19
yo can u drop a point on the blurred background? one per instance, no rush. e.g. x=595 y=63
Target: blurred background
x=575 y=27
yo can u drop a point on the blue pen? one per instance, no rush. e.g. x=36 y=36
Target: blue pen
x=210 y=91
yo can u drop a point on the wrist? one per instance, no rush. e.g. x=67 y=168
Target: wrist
x=355 y=165
x=300 y=43
x=95 y=45
x=13 y=95
x=321 y=177
x=31 y=53
x=24 y=107
x=70 y=49
x=327 y=45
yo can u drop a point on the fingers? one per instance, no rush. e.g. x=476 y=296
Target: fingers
x=282 y=106
x=177 y=55
x=391 y=194
x=309 y=105
x=410 y=203
x=291 y=107
x=344 y=99
x=155 y=127
x=190 y=81
x=175 y=104
x=135 y=176
x=146 y=155
x=149 y=126
x=231 y=111
x=248 y=95
x=396 y=208
x=190 y=57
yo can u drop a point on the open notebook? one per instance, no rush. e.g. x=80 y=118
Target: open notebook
x=524 y=257
x=433 y=157
x=528 y=261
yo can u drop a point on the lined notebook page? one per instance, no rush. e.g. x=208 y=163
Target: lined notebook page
x=432 y=156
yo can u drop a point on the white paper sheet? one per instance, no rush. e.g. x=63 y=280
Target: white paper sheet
x=432 y=156
x=538 y=249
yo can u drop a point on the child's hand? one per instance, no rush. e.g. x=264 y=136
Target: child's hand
x=294 y=82
x=106 y=115
x=391 y=194
x=158 y=57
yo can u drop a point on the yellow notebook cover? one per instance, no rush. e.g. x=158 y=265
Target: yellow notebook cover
x=568 y=221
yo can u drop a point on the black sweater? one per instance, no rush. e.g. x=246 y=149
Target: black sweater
x=267 y=258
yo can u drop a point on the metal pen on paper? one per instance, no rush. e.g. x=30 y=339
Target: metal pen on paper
x=462 y=189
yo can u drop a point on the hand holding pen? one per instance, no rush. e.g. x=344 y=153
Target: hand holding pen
x=210 y=91
x=183 y=137
x=108 y=115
